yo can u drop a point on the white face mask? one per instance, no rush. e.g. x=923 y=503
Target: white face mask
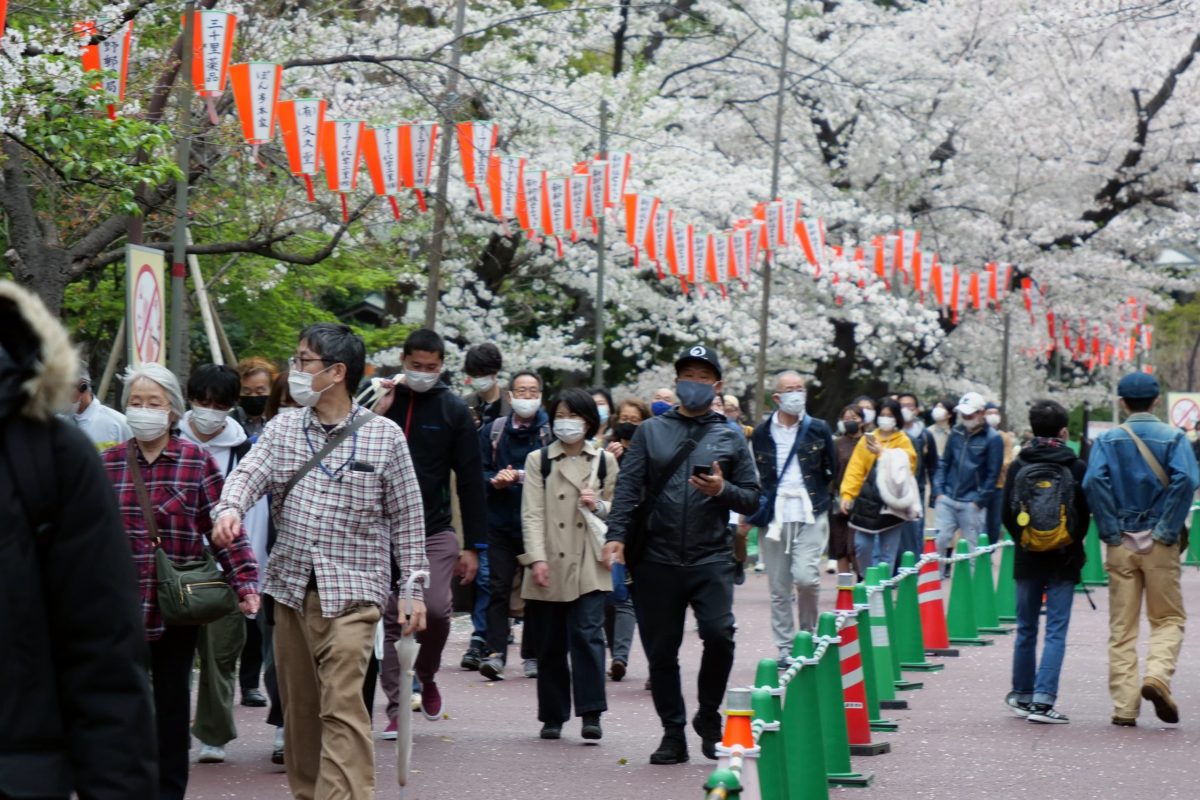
x=483 y=384
x=908 y=414
x=420 y=381
x=75 y=407
x=886 y=424
x=993 y=420
x=208 y=421
x=938 y=414
x=793 y=402
x=868 y=416
x=300 y=387
x=147 y=424
x=526 y=407
x=569 y=431
x=971 y=424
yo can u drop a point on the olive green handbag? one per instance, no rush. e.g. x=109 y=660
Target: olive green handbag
x=191 y=593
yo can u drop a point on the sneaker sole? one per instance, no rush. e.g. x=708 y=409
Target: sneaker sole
x=210 y=760
x=1020 y=712
x=1163 y=705
x=389 y=736
x=277 y=757
x=1046 y=720
x=550 y=734
x=592 y=736
x=491 y=674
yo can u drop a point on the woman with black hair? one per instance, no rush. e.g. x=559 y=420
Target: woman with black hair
x=606 y=410
x=568 y=489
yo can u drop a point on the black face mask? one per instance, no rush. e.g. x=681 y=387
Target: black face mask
x=625 y=431
x=850 y=427
x=253 y=406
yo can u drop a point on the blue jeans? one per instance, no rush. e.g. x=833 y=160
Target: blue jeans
x=957 y=515
x=1060 y=595
x=912 y=540
x=876 y=548
x=483 y=596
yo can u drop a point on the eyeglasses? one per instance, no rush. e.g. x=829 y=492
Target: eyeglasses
x=299 y=361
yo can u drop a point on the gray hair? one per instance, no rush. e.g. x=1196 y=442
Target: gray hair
x=787 y=373
x=159 y=374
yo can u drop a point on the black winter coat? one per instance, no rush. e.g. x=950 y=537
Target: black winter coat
x=685 y=526
x=1066 y=563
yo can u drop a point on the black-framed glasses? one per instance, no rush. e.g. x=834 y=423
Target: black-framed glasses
x=300 y=361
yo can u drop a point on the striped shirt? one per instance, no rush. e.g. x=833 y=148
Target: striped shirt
x=345 y=521
x=183 y=484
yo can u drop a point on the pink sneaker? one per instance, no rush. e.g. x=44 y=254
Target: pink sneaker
x=431 y=701
x=389 y=733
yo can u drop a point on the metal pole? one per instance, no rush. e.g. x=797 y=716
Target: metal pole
x=184 y=150
x=760 y=371
x=598 y=364
x=1004 y=367
x=114 y=357
x=441 y=210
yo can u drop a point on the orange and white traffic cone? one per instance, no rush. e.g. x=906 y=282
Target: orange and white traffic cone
x=738 y=743
x=854 y=693
x=933 y=611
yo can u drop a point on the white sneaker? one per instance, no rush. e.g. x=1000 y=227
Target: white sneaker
x=211 y=754
x=416 y=701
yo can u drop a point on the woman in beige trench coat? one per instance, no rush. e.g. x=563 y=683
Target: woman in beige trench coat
x=566 y=579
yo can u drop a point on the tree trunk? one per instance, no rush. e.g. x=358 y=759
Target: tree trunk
x=837 y=387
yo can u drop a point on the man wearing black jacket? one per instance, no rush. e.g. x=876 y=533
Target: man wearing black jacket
x=441 y=437
x=1052 y=573
x=683 y=555
x=75 y=709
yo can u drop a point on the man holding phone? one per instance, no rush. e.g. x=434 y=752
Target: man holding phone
x=683 y=473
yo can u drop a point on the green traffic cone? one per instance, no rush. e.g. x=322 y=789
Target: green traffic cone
x=866 y=646
x=725 y=779
x=803 y=731
x=960 y=620
x=1093 y=567
x=836 y=739
x=772 y=759
x=1006 y=586
x=882 y=572
x=986 y=619
x=1193 y=552
x=885 y=687
x=910 y=642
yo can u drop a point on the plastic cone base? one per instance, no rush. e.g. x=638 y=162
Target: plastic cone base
x=907 y=686
x=1008 y=619
x=849 y=779
x=872 y=749
x=893 y=704
x=941 y=652
x=885 y=725
x=996 y=631
x=972 y=642
x=921 y=666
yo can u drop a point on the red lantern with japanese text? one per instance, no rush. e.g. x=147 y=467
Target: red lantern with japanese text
x=255 y=94
x=381 y=151
x=110 y=55
x=212 y=46
x=341 y=150
x=302 y=125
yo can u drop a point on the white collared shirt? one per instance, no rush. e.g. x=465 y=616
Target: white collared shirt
x=792 y=503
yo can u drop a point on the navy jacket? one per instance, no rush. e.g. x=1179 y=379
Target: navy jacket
x=817 y=457
x=511 y=449
x=970 y=465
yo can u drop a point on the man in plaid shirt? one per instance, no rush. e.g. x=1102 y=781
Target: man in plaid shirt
x=340 y=530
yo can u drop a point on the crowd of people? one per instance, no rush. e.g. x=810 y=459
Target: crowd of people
x=313 y=496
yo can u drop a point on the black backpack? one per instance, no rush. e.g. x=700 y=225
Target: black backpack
x=548 y=463
x=1043 y=502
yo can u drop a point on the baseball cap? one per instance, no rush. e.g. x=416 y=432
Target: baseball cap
x=970 y=403
x=992 y=406
x=1138 y=386
x=700 y=353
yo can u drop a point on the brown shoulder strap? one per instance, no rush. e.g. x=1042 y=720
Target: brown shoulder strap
x=139 y=485
x=1149 y=458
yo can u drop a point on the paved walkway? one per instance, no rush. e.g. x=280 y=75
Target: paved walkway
x=956 y=739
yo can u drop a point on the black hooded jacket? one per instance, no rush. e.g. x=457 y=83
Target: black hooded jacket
x=1063 y=564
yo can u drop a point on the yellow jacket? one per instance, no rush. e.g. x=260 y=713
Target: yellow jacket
x=863 y=459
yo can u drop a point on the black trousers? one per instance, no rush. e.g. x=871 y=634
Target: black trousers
x=171 y=660
x=661 y=597
x=503 y=568
x=252 y=657
x=574 y=628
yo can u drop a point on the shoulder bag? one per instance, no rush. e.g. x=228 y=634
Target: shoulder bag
x=1135 y=541
x=766 y=501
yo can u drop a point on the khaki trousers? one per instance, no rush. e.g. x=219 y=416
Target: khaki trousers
x=1130 y=575
x=321 y=664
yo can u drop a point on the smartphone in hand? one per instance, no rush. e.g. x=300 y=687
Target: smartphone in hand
x=701 y=470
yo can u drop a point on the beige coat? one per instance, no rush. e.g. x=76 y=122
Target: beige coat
x=554 y=528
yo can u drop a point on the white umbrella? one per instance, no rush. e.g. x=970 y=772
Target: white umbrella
x=406 y=651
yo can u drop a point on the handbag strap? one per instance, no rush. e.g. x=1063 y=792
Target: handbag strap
x=800 y=434
x=1149 y=458
x=362 y=419
x=143 y=496
x=680 y=456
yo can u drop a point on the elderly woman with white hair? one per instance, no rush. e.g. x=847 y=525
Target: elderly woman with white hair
x=183 y=485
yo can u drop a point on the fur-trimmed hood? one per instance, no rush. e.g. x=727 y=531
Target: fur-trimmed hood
x=38 y=365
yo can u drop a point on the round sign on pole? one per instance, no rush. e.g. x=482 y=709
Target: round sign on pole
x=145 y=305
x=1185 y=413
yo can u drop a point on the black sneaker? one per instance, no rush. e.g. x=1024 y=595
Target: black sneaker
x=492 y=667
x=1045 y=713
x=551 y=730
x=707 y=725
x=1016 y=706
x=671 y=750
x=474 y=656
x=591 y=726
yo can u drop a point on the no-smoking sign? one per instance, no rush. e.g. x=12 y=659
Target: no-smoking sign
x=145 y=309
x=1184 y=409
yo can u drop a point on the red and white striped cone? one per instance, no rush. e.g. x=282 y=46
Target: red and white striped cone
x=854 y=693
x=933 y=610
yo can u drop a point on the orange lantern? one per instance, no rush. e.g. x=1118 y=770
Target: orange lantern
x=618 y=176
x=476 y=144
x=417 y=142
x=341 y=151
x=639 y=211
x=212 y=45
x=110 y=55
x=531 y=202
x=556 y=211
x=302 y=125
x=3 y=14
x=255 y=93
x=381 y=150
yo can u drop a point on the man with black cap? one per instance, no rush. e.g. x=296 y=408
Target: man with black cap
x=1139 y=484
x=683 y=473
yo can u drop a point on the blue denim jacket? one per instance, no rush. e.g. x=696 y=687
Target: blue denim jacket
x=1122 y=490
